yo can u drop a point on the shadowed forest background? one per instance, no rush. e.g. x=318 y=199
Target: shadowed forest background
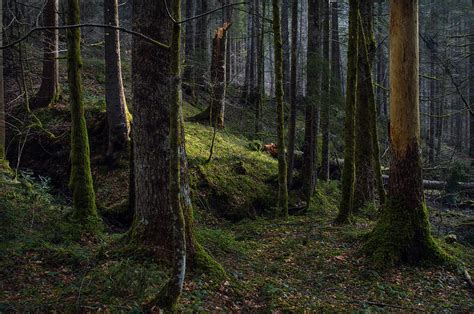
x=217 y=155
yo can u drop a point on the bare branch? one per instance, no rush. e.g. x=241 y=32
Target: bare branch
x=122 y=29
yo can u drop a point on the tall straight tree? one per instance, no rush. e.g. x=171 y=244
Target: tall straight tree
x=80 y=182
x=348 y=172
x=471 y=94
x=285 y=33
x=152 y=95
x=49 y=90
x=336 y=84
x=325 y=92
x=293 y=90
x=3 y=157
x=117 y=112
x=280 y=119
x=169 y=295
x=202 y=45
x=260 y=71
x=368 y=39
x=402 y=235
x=312 y=105
x=364 y=162
x=190 y=45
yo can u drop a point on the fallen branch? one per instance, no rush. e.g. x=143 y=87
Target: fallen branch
x=438 y=185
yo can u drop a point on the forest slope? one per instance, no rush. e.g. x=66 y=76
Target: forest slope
x=302 y=263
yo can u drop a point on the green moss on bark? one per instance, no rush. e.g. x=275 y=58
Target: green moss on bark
x=205 y=263
x=403 y=236
x=80 y=182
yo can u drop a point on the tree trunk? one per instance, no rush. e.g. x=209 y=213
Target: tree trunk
x=282 y=207
x=348 y=171
x=261 y=72
x=214 y=113
x=169 y=295
x=49 y=91
x=402 y=234
x=293 y=91
x=325 y=90
x=336 y=76
x=364 y=161
x=432 y=109
x=471 y=96
x=285 y=33
x=117 y=112
x=80 y=182
x=3 y=157
x=314 y=96
x=189 y=74
x=151 y=96
x=202 y=42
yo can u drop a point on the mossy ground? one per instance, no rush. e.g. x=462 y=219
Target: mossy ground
x=305 y=262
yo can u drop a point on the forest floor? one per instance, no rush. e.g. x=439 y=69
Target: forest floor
x=303 y=263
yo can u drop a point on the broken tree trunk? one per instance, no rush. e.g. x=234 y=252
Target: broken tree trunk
x=214 y=113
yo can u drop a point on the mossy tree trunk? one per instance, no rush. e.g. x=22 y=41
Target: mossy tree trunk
x=314 y=93
x=364 y=161
x=282 y=206
x=49 y=91
x=80 y=182
x=293 y=90
x=402 y=235
x=117 y=112
x=369 y=52
x=169 y=295
x=151 y=97
x=348 y=172
x=325 y=91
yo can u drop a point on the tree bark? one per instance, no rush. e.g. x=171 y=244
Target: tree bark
x=471 y=96
x=202 y=41
x=260 y=72
x=314 y=97
x=282 y=207
x=49 y=91
x=3 y=162
x=293 y=91
x=285 y=33
x=80 y=183
x=325 y=90
x=117 y=112
x=151 y=112
x=214 y=113
x=190 y=46
x=402 y=234
x=169 y=295
x=364 y=161
x=348 y=171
